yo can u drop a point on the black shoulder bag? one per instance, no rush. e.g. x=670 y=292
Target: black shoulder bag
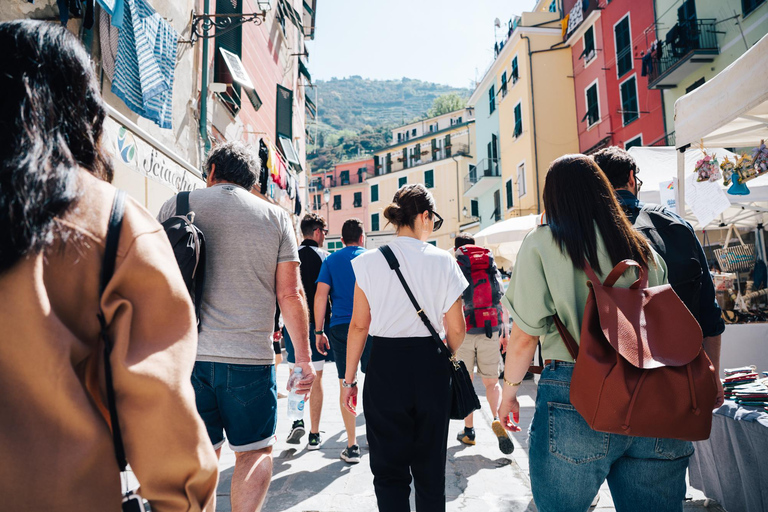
x=464 y=400
x=132 y=502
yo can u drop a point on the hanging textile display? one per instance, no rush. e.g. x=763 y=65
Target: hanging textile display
x=145 y=63
x=264 y=171
x=708 y=168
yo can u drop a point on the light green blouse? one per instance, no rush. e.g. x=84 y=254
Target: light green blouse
x=544 y=282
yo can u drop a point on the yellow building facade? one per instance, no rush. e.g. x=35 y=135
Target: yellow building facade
x=435 y=152
x=533 y=94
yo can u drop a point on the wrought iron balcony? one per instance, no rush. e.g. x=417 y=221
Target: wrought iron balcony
x=686 y=46
x=482 y=178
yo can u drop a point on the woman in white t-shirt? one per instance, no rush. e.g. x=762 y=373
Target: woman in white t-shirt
x=407 y=386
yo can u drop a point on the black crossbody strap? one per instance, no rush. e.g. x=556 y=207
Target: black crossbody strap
x=395 y=265
x=107 y=270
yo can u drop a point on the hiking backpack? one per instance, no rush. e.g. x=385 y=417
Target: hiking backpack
x=483 y=295
x=188 y=244
x=677 y=244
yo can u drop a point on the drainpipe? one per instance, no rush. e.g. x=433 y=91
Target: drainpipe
x=204 y=91
x=458 y=193
x=533 y=110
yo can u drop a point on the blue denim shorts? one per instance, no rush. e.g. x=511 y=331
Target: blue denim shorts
x=238 y=399
x=318 y=359
x=337 y=337
x=569 y=461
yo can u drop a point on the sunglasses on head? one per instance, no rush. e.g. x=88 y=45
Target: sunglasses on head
x=438 y=221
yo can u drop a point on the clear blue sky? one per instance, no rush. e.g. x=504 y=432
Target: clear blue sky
x=443 y=41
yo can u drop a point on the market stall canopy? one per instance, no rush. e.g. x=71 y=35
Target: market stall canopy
x=731 y=110
x=505 y=238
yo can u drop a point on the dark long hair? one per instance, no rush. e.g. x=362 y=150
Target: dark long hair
x=51 y=119
x=577 y=195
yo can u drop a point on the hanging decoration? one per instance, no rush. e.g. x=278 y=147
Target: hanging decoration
x=708 y=168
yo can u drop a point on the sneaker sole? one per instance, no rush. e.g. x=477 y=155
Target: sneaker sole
x=466 y=440
x=313 y=447
x=505 y=443
x=350 y=460
x=295 y=436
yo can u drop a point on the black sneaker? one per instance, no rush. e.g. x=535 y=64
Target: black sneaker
x=351 y=454
x=467 y=436
x=314 y=441
x=297 y=432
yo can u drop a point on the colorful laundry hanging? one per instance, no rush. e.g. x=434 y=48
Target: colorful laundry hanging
x=144 y=67
x=108 y=35
x=115 y=9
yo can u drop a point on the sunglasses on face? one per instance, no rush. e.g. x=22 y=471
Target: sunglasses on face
x=325 y=231
x=438 y=221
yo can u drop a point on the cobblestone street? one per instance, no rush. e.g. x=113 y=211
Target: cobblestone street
x=479 y=478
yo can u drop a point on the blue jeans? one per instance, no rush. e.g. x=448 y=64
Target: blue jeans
x=569 y=461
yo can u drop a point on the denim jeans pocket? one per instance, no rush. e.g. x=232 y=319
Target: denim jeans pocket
x=247 y=383
x=673 y=448
x=571 y=439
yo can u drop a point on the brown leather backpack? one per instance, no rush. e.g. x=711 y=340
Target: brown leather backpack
x=641 y=369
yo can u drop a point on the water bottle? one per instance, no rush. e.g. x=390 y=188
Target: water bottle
x=295 y=400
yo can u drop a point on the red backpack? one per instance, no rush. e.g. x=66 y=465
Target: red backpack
x=483 y=295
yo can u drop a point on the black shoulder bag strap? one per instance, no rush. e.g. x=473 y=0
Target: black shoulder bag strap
x=182 y=203
x=107 y=269
x=182 y=209
x=395 y=265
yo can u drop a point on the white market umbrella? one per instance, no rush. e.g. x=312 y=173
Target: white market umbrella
x=505 y=237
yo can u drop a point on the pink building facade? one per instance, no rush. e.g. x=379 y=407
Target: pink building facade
x=347 y=195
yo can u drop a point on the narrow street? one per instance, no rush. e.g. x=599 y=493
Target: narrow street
x=479 y=478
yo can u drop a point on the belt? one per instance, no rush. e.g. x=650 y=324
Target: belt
x=538 y=369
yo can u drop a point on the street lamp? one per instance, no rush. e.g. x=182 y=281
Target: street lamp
x=464 y=212
x=327 y=199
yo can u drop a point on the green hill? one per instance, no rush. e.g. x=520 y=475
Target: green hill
x=355 y=115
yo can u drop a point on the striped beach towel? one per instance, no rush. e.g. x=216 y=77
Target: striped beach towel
x=146 y=58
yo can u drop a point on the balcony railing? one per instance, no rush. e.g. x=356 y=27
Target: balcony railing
x=426 y=157
x=686 y=45
x=486 y=168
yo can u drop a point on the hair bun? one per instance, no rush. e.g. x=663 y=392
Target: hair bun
x=394 y=214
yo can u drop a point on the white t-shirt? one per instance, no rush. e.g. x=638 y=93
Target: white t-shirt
x=433 y=276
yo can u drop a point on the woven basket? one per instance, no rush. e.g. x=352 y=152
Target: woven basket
x=736 y=258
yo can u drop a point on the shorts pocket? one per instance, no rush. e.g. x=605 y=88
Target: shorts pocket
x=571 y=439
x=673 y=448
x=247 y=383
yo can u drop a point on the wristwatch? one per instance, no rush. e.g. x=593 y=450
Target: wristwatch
x=344 y=384
x=317 y=333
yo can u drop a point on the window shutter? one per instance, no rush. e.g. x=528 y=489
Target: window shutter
x=402 y=181
x=375 y=222
x=232 y=41
x=417 y=152
x=374 y=193
x=509 y=194
x=284 y=118
x=376 y=165
x=434 y=147
x=429 y=178
x=475 y=206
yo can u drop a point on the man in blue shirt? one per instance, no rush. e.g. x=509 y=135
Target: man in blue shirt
x=337 y=279
x=693 y=285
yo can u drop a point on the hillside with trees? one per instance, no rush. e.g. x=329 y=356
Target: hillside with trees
x=356 y=115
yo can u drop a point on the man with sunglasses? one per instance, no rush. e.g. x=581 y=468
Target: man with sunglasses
x=337 y=280
x=676 y=241
x=311 y=256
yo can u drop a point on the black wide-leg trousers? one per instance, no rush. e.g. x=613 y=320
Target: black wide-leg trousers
x=407 y=398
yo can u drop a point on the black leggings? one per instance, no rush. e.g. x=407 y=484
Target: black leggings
x=407 y=398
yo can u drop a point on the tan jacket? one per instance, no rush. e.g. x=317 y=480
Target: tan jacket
x=56 y=451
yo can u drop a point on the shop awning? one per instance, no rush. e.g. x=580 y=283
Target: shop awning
x=291 y=13
x=304 y=71
x=291 y=155
x=731 y=110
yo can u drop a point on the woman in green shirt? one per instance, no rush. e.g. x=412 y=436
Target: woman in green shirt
x=568 y=460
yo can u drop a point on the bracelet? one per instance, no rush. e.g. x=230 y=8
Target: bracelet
x=513 y=384
x=344 y=384
x=317 y=333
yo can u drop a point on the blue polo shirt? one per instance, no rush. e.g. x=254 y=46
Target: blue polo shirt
x=337 y=273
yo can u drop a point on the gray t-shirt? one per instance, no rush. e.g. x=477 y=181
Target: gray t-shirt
x=246 y=237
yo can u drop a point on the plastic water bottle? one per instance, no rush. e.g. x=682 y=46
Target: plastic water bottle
x=295 y=400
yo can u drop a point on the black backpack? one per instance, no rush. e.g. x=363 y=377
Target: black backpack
x=188 y=244
x=676 y=242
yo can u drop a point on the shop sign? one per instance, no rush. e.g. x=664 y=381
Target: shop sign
x=141 y=157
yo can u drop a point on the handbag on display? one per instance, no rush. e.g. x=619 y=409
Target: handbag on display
x=737 y=258
x=641 y=369
x=464 y=400
x=132 y=502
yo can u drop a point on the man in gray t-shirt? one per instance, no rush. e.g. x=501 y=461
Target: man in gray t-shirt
x=251 y=261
